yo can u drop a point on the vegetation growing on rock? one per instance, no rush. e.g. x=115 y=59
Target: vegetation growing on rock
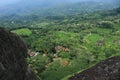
x=67 y=40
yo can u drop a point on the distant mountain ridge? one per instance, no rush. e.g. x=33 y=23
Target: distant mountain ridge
x=57 y=7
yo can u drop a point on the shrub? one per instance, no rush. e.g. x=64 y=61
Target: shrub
x=106 y=24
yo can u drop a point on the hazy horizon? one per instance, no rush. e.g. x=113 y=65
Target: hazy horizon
x=8 y=7
x=6 y=2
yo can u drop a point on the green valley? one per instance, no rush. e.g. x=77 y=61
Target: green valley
x=67 y=44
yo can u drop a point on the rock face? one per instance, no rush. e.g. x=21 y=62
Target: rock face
x=13 y=54
x=108 y=69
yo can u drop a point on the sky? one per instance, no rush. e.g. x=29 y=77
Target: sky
x=6 y=2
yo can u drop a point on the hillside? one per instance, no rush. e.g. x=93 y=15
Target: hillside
x=65 y=39
x=63 y=44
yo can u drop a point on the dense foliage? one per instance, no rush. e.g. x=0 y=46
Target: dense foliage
x=67 y=44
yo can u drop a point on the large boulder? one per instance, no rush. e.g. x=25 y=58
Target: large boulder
x=108 y=69
x=13 y=54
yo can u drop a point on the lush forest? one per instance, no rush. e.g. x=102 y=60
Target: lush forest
x=67 y=40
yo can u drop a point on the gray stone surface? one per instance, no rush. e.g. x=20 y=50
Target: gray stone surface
x=108 y=69
x=13 y=54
